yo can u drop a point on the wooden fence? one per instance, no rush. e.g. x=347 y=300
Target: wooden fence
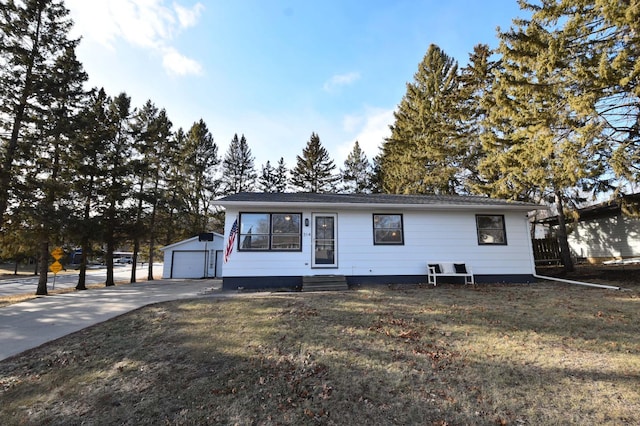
x=546 y=251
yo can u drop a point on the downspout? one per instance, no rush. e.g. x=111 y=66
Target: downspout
x=562 y=280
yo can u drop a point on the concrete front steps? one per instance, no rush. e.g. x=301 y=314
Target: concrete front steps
x=324 y=283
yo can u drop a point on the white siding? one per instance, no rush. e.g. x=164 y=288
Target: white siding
x=616 y=236
x=429 y=236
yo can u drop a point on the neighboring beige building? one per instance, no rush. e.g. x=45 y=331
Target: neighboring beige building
x=605 y=231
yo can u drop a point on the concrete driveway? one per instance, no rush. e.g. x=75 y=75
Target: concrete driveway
x=29 y=324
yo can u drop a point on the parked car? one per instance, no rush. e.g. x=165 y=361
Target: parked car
x=127 y=260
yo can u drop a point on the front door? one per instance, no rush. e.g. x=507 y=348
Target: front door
x=324 y=241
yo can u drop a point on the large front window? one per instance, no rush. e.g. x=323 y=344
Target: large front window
x=270 y=231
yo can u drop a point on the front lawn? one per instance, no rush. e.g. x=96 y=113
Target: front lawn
x=498 y=354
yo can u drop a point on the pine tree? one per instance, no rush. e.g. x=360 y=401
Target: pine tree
x=143 y=142
x=267 y=178
x=537 y=146
x=471 y=103
x=376 y=175
x=356 y=175
x=19 y=242
x=281 y=176
x=314 y=169
x=41 y=192
x=200 y=163
x=600 y=45
x=174 y=207
x=46 y=182
x=89 y=157
x=151 y=131
x=238 y=171
x=423 y=153
x=33 y=35
x=160 y=162
x=274 y=179
x=115 y=212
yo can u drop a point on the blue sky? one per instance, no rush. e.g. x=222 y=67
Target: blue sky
x=276 y=71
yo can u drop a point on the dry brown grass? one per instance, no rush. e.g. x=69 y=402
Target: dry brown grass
x=500 y=354
x=6 y=272
x=17 y=298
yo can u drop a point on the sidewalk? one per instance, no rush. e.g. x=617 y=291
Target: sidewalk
x=29 y=324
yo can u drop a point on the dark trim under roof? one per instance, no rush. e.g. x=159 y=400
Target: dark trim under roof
x=264 y=198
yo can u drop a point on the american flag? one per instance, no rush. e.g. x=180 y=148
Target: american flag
x=232 y=238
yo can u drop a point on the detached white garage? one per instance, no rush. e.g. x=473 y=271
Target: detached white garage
x=197 y=257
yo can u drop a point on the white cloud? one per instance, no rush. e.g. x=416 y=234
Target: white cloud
x=143 y=23
x=285 y=133
x=93 y=21
x=188 y=17
x=340 y=80
x=372 y=128
x=147 y=24
x=350 y=123
x=177 y=64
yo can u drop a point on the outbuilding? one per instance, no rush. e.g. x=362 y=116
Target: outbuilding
x=278 y=239
x=604 y=232
x=196 y=257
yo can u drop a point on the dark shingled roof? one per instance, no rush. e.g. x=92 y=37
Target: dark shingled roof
x=395 y=199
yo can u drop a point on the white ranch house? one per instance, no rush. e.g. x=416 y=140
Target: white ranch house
x=373 y=238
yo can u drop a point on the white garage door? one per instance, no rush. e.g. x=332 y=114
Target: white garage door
x=188 y=264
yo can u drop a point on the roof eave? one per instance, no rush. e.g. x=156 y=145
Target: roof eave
x=360 y=206
x=187 y=240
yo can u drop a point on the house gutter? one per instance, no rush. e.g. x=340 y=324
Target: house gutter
x=562 y=280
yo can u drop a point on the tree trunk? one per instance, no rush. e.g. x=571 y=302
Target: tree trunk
x=136 y=240
x=150 y=276
x=152 y=228
x=109 y=237
x=44 y=267
x=563 y=242
x=82 y=277
x=136 y=249
x=108 y=258
x=84 y=244
x=168 y=239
